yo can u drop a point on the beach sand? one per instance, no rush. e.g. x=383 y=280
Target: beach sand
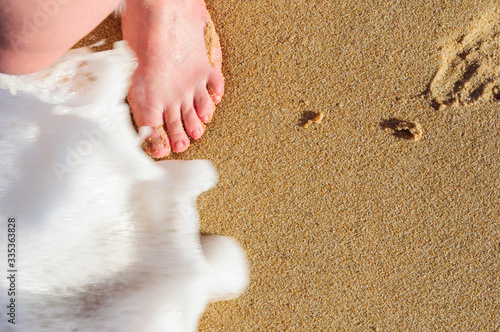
x=347 y=224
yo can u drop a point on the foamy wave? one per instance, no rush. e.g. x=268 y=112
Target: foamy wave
x=107 y=239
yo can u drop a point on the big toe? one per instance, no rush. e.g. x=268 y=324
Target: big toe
x=156 y=144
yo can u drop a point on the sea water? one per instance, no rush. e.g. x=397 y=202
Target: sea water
x=95 y=236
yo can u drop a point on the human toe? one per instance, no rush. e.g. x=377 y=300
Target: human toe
x=192 y=124
x=215 y=86
x=176 y=134
x=205 y=106
x=157 y=144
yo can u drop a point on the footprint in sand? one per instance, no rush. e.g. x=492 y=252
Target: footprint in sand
x=470 y=69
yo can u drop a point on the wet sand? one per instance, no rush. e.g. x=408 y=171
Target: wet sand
x=350 y=224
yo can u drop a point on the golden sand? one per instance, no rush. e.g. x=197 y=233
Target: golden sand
x=347 y=228
x=210 y=41
x=316 y=119
x=403 y=129
x=470 y=69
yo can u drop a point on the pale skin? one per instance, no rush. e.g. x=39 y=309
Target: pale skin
x=178 y=80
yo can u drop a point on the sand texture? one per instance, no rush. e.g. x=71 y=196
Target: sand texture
x=349 y=226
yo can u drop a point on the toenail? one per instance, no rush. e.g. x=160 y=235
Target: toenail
x=180 y=145
x=196 y=132
x=204 y=118
x=156 y=147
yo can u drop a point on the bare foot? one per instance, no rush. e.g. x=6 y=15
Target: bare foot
x=179 y=79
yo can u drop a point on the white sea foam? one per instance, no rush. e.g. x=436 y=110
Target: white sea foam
x=106 y=239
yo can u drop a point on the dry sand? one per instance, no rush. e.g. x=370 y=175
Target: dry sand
x=347 y=225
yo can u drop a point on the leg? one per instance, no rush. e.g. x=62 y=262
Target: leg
x=35 y=33
x=179 y=79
